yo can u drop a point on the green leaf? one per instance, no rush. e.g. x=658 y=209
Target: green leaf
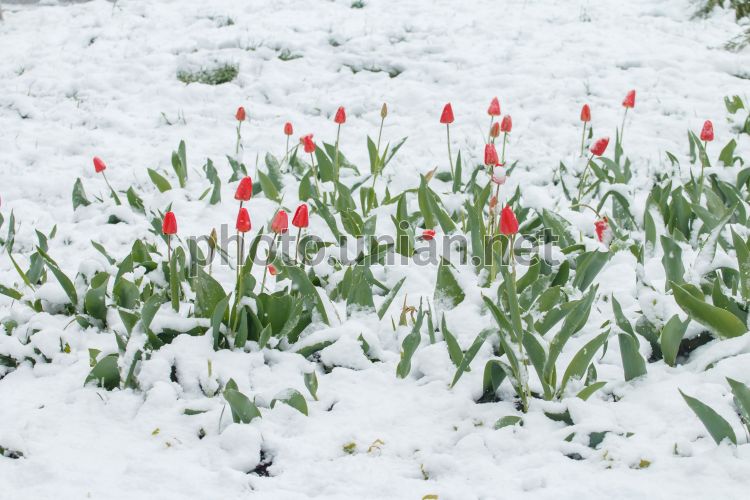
x=633 y=363
x=243 y=410
x=389 y=298
x=743 y=262
x=274 y=171
x=10 y=292
x=741 y=394
x=159 y=181
x=292 y=398
x=586 y=392
x=719 y=322
x=174 y=280
x=574 y=321
x=67 y=285
x=454 y=350
x=106 y=373
x=409 y=347
x=670 y=338
x=307 y=289
x=95 y=300
x=457 y=175
x=311 y=382
x=727 y=153
x=265 y=336
x=588 y=266
x=716 y=425
x=149 y=310
x=404 y=230
x=425 y=205
x=447 y=290
x=135 y=201
x=581 y=361
x=268 y=187
x=672 y=260
x=559 y=227
x=470 y=353
x=179 y=164
x=79 y=195
x=208 y=293
x=217 y=318
x=508 y=421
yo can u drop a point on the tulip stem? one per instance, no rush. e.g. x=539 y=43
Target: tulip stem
x=450 y=156
x=169 y=248
x=286 y=154
x=489 y=134
x=583 y=179
x=336 y=164
x=265 y=269
x=114 y=194
x=296 y=251
x=583 y=138
x=240 y=256
x=315 y=172
x=239 y=139
x=505 y=139
x=622 y=128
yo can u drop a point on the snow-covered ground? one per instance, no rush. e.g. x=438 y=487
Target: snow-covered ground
x=99 y=78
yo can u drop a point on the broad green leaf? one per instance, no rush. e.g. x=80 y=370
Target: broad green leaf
x=670 y=338
x=67 y=285
x=95 y=300
x=454 y=350
x=292 y=398
x=79 y=195
x=508 y=421
x=217 y=318
x=633 y=363
x=743 y=262
x=307 y=289
x=311 y=382
x=718 y=321
x=409 y=347
x=581 y=361
x=672 y=261
x=243 y=410
x=268 y=187
x=159 y=181
x=741 y=394
x=10 y=292
x=586 y=392
x=208 y=293
x=588 y=266
x=471 y=352
x=106 y=373
x=447 y=290
x=716 y=425
x=389 y=298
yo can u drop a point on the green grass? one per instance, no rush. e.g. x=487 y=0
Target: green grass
x=214 y=76
x=741 y=7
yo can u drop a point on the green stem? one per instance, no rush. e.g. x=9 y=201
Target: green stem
x=489 y=133
x=583 y=180
x=450 y=156
x=265 y=269
x=315 y=173
x=336 y=164
x=239 y=138
x=169 y=248
x=286 y=154
x=505 y=139
x=583 y=138
x=296 y=251
x=622 y=128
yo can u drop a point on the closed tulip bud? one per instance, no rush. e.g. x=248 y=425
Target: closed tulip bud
x=495 y=130
x=490 y=155
x=272 y=270
x=585 y=113
x=508 y=221
x=446 y=117
x=99 y=165
x=600 y=146
x=307 y=143
x=629 y=101
x=498 y=176
x=340 y=117
x=301 y=217
x=507 y=124
x=240 y=115
x=212 y=240
x=428 y=234
x=383 y=111
x=243 y=221
x=244 y=189
x=707 y=133
x=288 y=129
x=601 y=227
x=169 y=224
x=280 y=223
x=494 y=109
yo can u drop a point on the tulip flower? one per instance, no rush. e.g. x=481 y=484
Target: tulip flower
x=300 y=221
x=498 y=176
x=508 y=222
x=244 y=190
x=428 y=234
x=288 y=132
x=597 y=149
x=585 y=118
x=495 y=130
x=340 y=119
x=383 y=111
x=272 y=270
x=99 y=168
x=280 y=222
x=308 y=145
x=243 y=221
x=168 y=228
x=707 y=133
x=600 y=146
x=507 y=124
x=242 y=225
x=240 y=114
x=446 y=118
x=494 y=109
x=627 y=103
x=490 y=155
x=601 y=227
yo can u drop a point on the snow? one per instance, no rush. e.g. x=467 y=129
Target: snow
x=99 y=78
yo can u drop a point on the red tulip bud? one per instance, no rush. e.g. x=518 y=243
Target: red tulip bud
x=288 y=129
x=428 y=234
x=494 y=109
x=301 y=217
x=280 y=223
x=507 y=124
x=340 y=117
x=244 y=189
x=272 y=270
x=629 y=101
x=169 y=225
x=601 y=227
x=600 y=146
x=707 y=133
x=99 y=165
x=508 y=221
x=240 y=115
x=447 y=116
x=307 y=143
x=585 y=113
x=243 y=221
x=495 y=130
x=490 y=155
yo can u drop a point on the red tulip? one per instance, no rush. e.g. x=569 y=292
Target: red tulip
x=340 y=117
x=600 y=146
x=707 y=133
x=272 y=270
x=601 y=227
x=301 y=217
x=507 y=124
x=508 y=221
x=585 y=113
x=169 y=225
x=447 y=116
x=307 y=143
x=243 y=221
x=495 y=130
x=99 y=165
x=494 y=109
x=280 y=223
x=288 y=129
x=490 y=155
x=240 y=115
x=244 y=189
x=629 y=101
x=428 y=234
